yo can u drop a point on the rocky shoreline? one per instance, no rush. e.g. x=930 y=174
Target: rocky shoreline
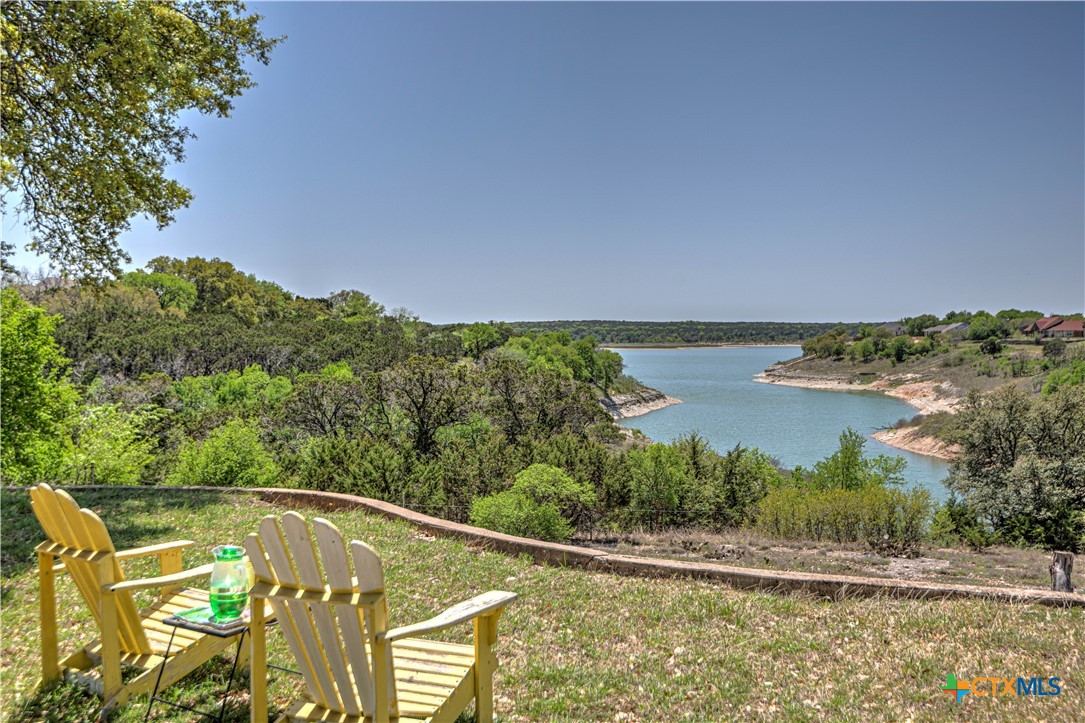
x=927 y=397
x=910 y=440
x=634 y=404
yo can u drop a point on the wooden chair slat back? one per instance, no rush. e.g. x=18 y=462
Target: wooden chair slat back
x=65 y=523
x=322 y=616
x=370 y=572
x=355 y=625
x=332 y=643
x=294 y=619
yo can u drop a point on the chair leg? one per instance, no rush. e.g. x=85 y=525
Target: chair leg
x=48 y=616
x=111 y=647
x=485 y=664
x=244 y=655
x=257 y=652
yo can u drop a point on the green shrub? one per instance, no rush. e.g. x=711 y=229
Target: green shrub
x=236 y=390
x=366 y=467
x=1072 y=375
x=540 y=504
x=887 y=519
x=1054 y=348
x=955 y=523
x=724 y=486
x=546 y=484
x=850 y=468
x=231 y=456
x=991 y=345
x=111 y=448
x=514 y=513
x=661 y=490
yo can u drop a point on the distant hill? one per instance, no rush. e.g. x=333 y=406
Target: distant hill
x=681 y=332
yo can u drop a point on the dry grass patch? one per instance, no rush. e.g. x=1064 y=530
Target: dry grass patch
x=997 y=566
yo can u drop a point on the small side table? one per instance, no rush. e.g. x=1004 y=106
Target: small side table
x=240 y=630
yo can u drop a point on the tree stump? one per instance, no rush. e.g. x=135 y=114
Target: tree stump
x=1062 y=565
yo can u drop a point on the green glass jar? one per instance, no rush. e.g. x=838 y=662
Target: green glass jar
x=229 y=583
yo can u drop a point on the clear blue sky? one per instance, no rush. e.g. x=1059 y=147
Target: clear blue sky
x=724 y=161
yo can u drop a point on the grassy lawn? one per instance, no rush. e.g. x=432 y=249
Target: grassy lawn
x=588 y=646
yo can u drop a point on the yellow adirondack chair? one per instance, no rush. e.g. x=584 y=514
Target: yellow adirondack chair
x=127 y=637
x=336 y=625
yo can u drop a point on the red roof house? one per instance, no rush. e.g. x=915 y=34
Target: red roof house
x=1074 y=329
x=1041 y=325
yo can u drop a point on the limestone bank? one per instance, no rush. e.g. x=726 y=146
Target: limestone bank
x=926 y=396
x=634 y=404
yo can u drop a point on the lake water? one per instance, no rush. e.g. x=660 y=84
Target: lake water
x=797 y=426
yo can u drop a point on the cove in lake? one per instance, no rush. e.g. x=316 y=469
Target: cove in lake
x=723 y=403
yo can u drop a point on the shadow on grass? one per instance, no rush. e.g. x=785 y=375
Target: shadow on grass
x=202 y=689
x=130 y=514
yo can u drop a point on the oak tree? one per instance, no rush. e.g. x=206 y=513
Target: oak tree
x=90 y=102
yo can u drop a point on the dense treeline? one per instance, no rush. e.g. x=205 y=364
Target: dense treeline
x=192 y=372
x=678 y=332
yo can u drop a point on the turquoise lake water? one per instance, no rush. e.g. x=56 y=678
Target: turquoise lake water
x=723 y=403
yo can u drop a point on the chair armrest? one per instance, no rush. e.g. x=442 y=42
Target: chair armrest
x=459 y=613
x=163 y=581
x=153 y=549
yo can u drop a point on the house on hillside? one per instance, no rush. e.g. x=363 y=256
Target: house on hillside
x=1065 y=330
x=958 y=329
x=895 y=328
x=1041 y=325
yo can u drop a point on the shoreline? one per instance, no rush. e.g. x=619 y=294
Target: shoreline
x=925 y=396
x=634 y=404
x=729 y=345
x=909 y=440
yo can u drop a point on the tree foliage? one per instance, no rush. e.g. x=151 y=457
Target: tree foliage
x=849 y=468
x=37 y=403
x=111 y=446
x=91 y=98
x=1022 y=465
x=430 y=393
x=354 y=305
x=675 y=332
x=232 y=455
x=172 y=292
x=479 y=337
x=331 y=403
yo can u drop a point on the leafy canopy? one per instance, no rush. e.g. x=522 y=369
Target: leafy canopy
x=36 y=401
x=1022 y=465
x=91 y=98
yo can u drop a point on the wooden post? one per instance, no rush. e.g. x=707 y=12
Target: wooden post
x=1062 y=566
